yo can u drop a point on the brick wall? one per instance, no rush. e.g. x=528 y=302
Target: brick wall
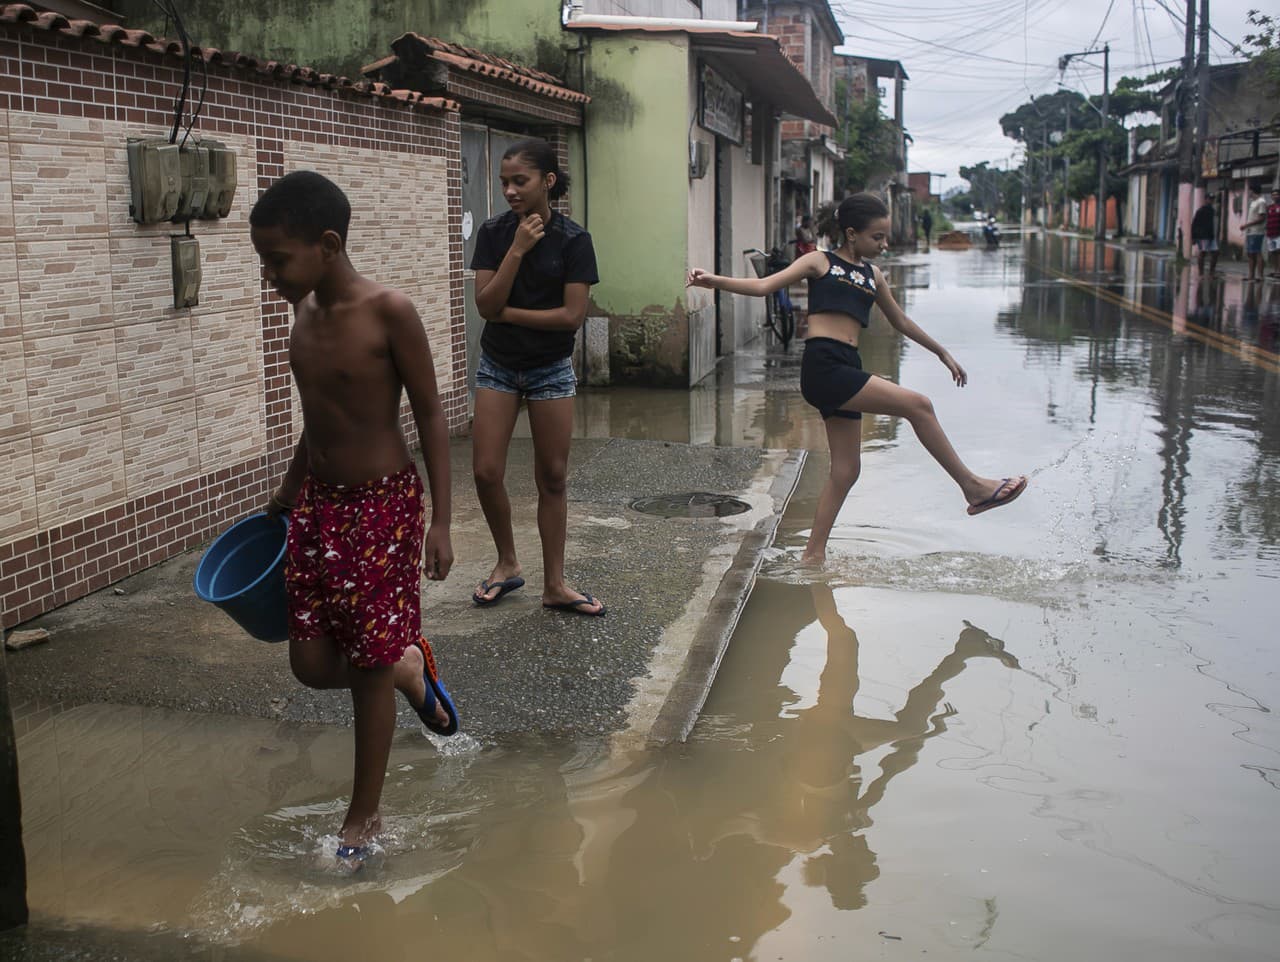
x=131 y=431
x=805 y=42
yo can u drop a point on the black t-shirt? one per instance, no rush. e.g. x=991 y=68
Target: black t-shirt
x=1202 y=223
x=563 y=256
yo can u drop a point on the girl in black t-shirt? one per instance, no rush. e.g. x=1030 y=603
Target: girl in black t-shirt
x=534 y=268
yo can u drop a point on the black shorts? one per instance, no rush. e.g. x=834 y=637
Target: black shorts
x=831 y=373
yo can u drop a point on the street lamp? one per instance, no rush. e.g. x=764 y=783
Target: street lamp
x=1100 y=217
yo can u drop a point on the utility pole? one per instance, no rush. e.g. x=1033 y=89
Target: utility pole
x=1100 y=214
x=1186 y=173
x=1066 y=174
x=1045 y=161
x=1100 y=231
x=1202 y=94
x=1186 y=149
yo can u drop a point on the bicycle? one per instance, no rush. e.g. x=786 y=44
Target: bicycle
x=780 y=315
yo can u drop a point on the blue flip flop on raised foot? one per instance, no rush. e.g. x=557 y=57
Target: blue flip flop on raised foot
x=575 y=606
x=436 y=692
x=356 y=853
x=504 y=587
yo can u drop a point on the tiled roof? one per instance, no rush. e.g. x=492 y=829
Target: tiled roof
x=487 y=64
x=114 y=34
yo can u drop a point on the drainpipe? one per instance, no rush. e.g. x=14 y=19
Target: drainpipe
x=582 y=86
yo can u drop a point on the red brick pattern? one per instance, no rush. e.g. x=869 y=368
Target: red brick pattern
x=51 y=76
x=804 y=41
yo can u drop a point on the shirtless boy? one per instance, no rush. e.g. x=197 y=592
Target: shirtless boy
x=356 y=539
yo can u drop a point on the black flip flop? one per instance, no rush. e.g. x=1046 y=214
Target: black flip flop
x=504 y=587
x=575 y=607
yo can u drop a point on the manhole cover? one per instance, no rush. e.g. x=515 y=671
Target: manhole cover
x=697 y=504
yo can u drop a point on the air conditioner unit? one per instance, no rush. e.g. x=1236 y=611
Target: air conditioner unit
x=699 y=159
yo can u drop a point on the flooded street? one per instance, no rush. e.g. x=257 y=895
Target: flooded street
x=1045 y=733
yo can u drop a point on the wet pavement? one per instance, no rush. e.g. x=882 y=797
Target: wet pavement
x=1045 y=733
x=673 y=588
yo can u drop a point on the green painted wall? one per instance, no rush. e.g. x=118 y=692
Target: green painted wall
x=341 y=36
x=638 y=182
x=638 y=197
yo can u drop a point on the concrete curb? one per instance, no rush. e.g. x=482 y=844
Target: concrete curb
x=689 y=692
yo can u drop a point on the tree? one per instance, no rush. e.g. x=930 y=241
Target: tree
x=1040 y=116
x=1262 y=47
x=994 y=190
x=870 y=139
x=1066 y=127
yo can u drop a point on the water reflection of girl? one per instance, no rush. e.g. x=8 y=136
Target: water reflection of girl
x=776 y=784
x=843 y=285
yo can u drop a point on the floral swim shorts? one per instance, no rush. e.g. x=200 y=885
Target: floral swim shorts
x=353 y=566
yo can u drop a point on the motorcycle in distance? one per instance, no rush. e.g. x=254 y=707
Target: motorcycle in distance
x=991 y=233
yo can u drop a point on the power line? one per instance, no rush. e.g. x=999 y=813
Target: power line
x=1102 y=26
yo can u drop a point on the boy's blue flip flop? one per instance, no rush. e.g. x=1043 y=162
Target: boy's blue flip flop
x=504 y=587
x=436 y=692
x=356 y=853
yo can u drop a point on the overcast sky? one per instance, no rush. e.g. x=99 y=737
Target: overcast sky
x=970 y=61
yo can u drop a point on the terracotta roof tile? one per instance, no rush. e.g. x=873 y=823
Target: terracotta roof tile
x=111 y=33
x=486 y=64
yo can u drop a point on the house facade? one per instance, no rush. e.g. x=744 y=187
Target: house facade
x=809 y=153
x=866 y=75
x=677 y=159
x=132 y=429
x=1236 y=162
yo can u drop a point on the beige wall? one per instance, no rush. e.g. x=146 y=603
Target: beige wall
x=107 y=392
x=100 y=400
x=399 y=232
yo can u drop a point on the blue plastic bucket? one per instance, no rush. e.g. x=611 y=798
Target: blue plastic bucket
x=242 y=573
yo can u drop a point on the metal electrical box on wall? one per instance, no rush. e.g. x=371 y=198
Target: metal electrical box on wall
x=195 y=182
x=171 y=182
x=222 y=180
x=186 y=271
x=155 y=179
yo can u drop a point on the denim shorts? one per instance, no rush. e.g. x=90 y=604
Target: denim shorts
x=1253 y=243
x=547 y=383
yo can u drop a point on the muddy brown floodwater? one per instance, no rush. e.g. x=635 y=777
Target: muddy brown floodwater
x=1045 y=733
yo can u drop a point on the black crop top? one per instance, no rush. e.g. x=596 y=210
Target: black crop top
x=844 y=289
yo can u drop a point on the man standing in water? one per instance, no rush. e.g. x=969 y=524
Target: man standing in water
x=1204 y=234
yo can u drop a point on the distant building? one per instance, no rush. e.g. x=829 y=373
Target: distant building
x=865 y=75
x=1241 y=148
x=809 y=153
x=921 y=184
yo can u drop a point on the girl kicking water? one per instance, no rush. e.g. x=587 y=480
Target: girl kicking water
x=842 y=287
x=534 y=268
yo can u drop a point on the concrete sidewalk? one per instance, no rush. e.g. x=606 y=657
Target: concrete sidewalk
x=674 y=588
